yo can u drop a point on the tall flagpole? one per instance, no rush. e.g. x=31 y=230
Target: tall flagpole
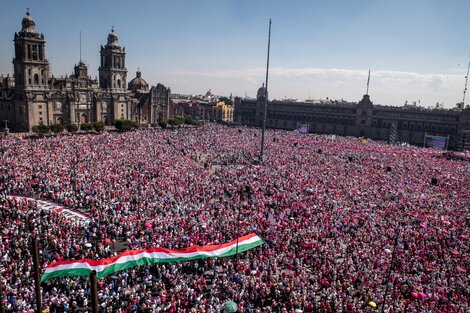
x=466 y=82
x=265 y=98
x=368 y=79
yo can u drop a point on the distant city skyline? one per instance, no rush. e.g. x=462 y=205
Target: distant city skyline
x=417 y=51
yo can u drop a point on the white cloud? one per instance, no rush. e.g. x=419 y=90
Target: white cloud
x=386 y=86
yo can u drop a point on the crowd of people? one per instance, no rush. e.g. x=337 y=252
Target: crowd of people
x=349 y=225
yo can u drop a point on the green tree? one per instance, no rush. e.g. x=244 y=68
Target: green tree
x=226 y=100
x=176 y=120
x=72 y=128
x=179 y=120
x=172 y=121
x=98 y=126
x=189 y=120
x=125 y=125
x=57 y=128
x=40 y=129
x=86 y=127
x=162 y=124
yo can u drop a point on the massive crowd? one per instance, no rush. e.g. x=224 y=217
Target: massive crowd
x=349 y=225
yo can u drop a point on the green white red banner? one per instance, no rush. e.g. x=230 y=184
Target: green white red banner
x=133 y=258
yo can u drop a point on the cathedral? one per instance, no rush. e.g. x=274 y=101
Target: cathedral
x=33 y=96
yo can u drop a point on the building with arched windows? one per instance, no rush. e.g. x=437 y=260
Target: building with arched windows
x=410 y=123
x=32 y=96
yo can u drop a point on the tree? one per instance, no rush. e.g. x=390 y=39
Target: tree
x=172 y=121
x=125 y=125
x=226 y=100
x=86 y=126
x=57 y=128
x=72 y=128
x=162 y=124
x=179 y=120
x=98 y=126
x=459 y=105
x=189 y=120
x=176 y=120
x=40 y=129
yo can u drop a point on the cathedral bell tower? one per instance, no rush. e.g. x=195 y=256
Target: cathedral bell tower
x=112 y=71
x=31 y=69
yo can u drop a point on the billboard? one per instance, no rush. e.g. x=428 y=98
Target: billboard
x=302 y=128
x=435 y=142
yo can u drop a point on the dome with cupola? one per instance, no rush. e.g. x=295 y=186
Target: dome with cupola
x=138 y=84
x=28 y=25
x=113 y=38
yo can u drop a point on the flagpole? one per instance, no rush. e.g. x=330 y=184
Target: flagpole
x=37 y=282
x=94 y=292
x=265 y=113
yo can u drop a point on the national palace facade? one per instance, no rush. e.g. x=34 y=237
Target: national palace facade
x=397 y=124
x=33 y=96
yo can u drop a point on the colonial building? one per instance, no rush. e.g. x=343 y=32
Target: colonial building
x=404 y=124
x=208 y=107
x=153 y=105
x=32 y=96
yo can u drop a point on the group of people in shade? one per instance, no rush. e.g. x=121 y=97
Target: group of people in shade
x=349 y=225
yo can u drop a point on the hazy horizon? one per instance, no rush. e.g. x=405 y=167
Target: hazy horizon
x=416 y=51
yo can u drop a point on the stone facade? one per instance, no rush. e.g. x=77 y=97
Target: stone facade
x=153 y=105
x=404 y=124
x=32 y=96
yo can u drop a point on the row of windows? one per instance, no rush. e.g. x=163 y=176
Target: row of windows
x=416 y=126
x=312 y=118
x=317 y=109
x=415 y=115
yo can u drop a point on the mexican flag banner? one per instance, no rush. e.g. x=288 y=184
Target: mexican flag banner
x=133 y=258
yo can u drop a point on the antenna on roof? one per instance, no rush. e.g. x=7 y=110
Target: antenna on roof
x=466 y=82
x=368 y=80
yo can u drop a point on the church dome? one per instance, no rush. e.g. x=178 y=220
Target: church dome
x=138 y=83
x=28 y=24
x=113 y=39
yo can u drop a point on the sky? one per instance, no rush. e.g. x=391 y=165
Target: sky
x=416 y=50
